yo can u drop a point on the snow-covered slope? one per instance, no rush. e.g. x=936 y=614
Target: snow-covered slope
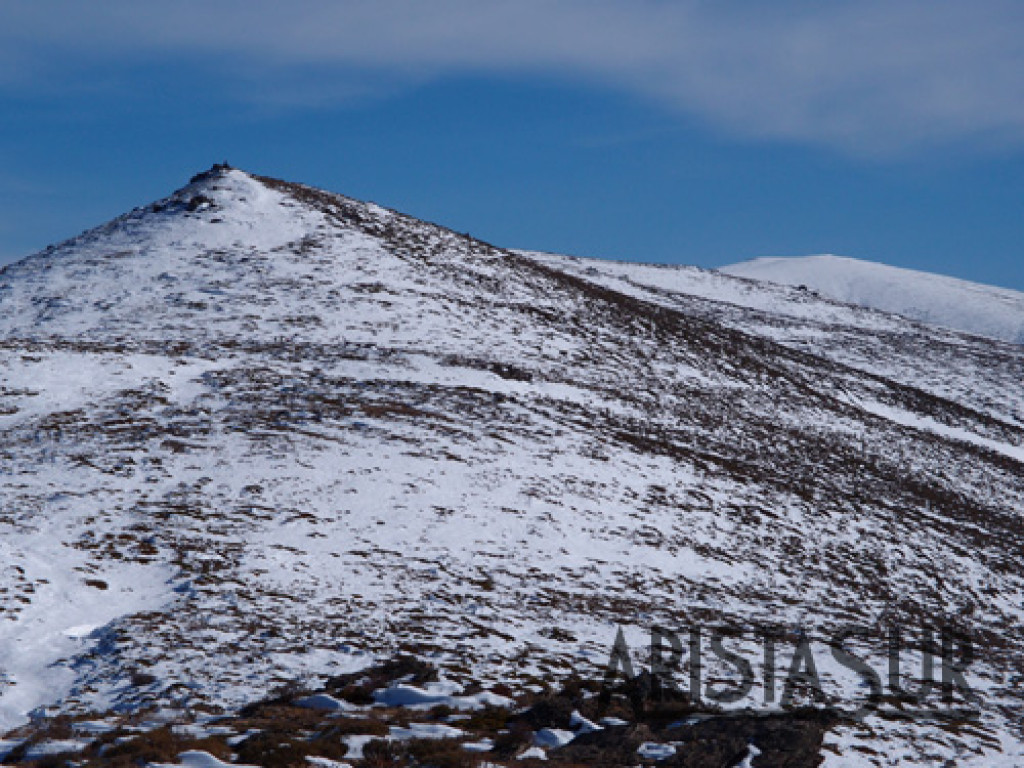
x=946 y=301
x=257 y=433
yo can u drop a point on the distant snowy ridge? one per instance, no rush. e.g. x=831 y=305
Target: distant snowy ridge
x=980 y=309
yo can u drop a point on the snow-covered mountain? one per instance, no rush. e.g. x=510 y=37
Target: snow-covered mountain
x=259 y=435
x=928 y=298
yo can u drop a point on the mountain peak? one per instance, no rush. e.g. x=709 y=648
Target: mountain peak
x=214 y=171
x=259 y=434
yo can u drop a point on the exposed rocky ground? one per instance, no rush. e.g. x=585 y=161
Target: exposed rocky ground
x=351 y=720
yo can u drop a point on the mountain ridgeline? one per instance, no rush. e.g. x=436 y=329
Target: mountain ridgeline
x=258 y=435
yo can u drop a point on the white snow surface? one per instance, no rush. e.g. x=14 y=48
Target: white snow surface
x=256 y=434
x=533 y=753
x=424 y=731
x=984 y=310
x=355 y=745
x=752 y=752
x=197 y=758
x=553 y=738
x=325 y=702
x=434 y=694
x=654 y=751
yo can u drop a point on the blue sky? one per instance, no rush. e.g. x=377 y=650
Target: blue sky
x=680 y=132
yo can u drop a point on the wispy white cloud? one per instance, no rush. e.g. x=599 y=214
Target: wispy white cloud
x=865 y=77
